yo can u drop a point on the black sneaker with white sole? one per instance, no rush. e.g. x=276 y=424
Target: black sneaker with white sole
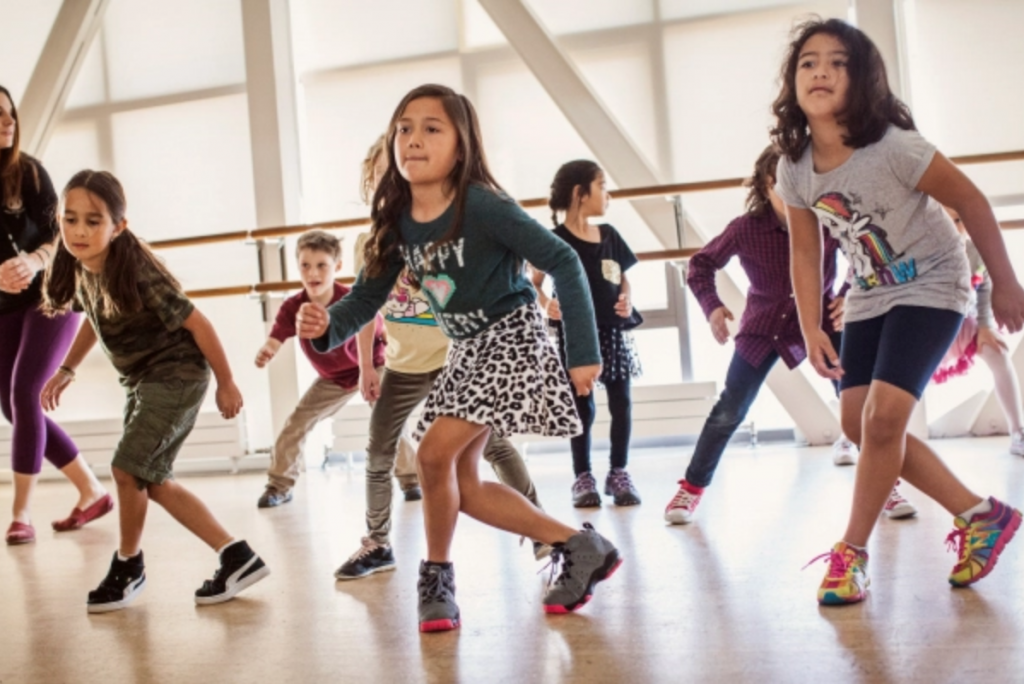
x=124 y=581
x=239 y=569
x=370 y=558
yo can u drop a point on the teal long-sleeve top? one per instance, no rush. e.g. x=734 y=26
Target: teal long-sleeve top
x=478 y=278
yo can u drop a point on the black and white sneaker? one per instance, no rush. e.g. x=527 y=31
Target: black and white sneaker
x=370 y=558
x=124 y=581
x=239 y=569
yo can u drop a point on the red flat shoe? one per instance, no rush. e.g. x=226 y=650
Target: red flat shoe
x=20 y=533
x=78 y=517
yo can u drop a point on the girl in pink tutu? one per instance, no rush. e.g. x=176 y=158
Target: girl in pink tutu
x=979 y=336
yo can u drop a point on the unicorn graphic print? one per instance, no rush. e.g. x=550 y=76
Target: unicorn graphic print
x=872 y=259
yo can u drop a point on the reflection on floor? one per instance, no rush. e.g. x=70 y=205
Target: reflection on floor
x=722 y=599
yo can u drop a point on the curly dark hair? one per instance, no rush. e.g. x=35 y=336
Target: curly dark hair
x=571 y=175
x=870 y=105
x=394 y=195
x=758 y=202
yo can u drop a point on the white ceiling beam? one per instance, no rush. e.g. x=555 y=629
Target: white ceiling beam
x=70 y=36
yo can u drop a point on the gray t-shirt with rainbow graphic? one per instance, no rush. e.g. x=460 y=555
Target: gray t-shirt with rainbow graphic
x=902 y=247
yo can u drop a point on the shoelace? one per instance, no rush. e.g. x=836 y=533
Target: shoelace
x=684 y=499
x=559 y=555
x=584 y=483
x=895 y=499
x=620 y=480
x=837 y=564
x=367 y=546
x=960 y=541
x=434 y=585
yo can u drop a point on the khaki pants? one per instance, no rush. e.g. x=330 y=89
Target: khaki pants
x=322 y=400
x=400 y=393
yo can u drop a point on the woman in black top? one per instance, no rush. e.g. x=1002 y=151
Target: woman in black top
x=32 y=345
x=579 y=191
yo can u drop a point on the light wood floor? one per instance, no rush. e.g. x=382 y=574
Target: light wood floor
x=723 y=599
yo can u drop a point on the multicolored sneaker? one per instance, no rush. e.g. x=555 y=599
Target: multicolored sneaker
x=844 y=452
x=980 y=541
x=584 y=492
x=683 y=506
x=847 y=579
x=619 y=486
x=586 y=559
x=896 y=507
x=438 y=611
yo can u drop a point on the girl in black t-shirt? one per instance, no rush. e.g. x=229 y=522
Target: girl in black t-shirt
x=579 y=191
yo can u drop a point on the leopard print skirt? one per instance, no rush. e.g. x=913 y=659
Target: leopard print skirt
x=508 y=377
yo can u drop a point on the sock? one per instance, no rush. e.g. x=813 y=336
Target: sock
x=125 y=558
x=228 y=543
x=858 y=549
x=984 y=507
x=446 y=566
x=693 y=489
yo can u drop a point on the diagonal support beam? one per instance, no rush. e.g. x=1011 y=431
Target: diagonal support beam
x=621 y=158
x=573 y=95
x=69 y=40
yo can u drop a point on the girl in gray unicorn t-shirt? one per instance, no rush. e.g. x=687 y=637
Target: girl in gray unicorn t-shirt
x=854 y=163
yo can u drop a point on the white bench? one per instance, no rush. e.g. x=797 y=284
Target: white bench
x=658 y=411
x=214 y=445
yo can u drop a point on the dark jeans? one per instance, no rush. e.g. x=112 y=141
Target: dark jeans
x=742 y=383
x=620 y=405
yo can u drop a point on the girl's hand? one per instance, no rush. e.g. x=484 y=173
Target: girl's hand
x=229 y=400
x=836 y=309
x=993 y=339
x=822 y=355
x=369 y=385
x=553 y=310
x=624 y=307
x=17 y=273
x=49 y=398
x=1008 y=306
x=312 y=321
x=584 y=377
x=718 y=327
x=265 y=354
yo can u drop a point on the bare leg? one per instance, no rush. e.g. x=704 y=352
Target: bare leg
x=501 y=506
x=876 y=417
x=1007 y=386
x=89 y=488
x=132 y=506
x=187 y=509
x=24 y=485
x=438 y=454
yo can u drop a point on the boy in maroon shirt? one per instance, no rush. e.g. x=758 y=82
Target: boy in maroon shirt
x=343 y=371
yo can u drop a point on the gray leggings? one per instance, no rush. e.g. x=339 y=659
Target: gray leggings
x=400 y=393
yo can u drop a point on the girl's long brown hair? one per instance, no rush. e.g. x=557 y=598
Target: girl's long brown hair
x=758 y=202
x=393 y=196
x=12 y=162
x=119 y=282
x=870 y=105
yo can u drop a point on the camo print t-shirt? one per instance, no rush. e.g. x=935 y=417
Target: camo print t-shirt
x=902 y=247
x=150 y=345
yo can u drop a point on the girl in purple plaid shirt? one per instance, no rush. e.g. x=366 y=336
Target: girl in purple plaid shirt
x=769 y=331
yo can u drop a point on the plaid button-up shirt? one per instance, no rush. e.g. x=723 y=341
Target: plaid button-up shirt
x=770 y=319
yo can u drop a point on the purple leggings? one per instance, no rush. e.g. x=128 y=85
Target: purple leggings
x=31 y=348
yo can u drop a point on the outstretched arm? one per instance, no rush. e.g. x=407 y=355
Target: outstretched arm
x=85 y=340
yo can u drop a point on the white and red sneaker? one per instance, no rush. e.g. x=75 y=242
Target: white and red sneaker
x=897 y=507
x=683 y=506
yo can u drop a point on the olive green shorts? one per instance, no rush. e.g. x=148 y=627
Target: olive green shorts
x=158 y=417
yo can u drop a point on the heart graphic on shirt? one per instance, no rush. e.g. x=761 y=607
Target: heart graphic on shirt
x=441 y=288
